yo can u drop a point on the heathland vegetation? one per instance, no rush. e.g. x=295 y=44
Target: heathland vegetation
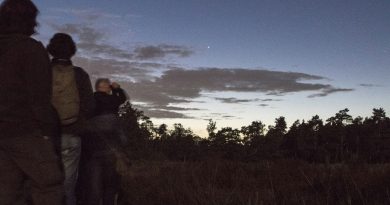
x=341 y=160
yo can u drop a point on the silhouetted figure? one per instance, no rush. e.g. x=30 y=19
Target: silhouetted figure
x=108 y=97
x=101 y=182
x=73 y=99
x=28 y=123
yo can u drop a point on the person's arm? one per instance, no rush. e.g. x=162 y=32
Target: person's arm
x=87 y=99
x=38 y=78
x=120 y=94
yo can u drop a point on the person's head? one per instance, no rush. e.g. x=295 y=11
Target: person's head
x=62 y=46
x=103 y=85
x=18 y=17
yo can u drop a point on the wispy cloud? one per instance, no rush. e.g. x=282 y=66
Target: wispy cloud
x=235 y=100
x=161 y=51
x=93 y=41
x=369 y=85
x=330 y=90
x=120 y=69
x=167 y=112
x=85 y=14
x=238 y=100
x=271 y=100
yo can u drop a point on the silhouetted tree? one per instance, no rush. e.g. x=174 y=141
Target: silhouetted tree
x=274 y=137
x=379 y=115
x=211 y=127
x=342 y=138
x=138 y=138
x=162 y=131
x=226 y=135
x=290 y=140
x=253 y=133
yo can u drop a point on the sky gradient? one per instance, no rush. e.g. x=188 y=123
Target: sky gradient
x=233 y=61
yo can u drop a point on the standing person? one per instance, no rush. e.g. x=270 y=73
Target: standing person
x=100 y=177
x=28 y=122
x=108 y=96
x=73 y=99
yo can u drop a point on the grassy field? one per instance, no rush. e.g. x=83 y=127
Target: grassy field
x=236 y=183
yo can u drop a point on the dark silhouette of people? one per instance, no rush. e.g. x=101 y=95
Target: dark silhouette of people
x=28 y=121
x=100 y=179
x=74 y=102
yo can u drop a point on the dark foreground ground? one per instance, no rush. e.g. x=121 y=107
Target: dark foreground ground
x=236 y=183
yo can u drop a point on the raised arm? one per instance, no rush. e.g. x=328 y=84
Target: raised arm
x=120 y=94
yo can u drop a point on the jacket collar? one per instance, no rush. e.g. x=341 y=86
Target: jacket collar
x=56 y=61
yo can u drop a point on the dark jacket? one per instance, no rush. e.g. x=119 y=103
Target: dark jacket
x=25 y=88
x=109 y=104
x=87 y=101
x=105 y=128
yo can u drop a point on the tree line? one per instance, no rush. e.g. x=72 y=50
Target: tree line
x=341 y=138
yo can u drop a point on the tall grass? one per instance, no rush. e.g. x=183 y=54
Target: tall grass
x=268 y=182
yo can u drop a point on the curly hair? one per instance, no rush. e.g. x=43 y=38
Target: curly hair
x=62 y=46
x=18 y=17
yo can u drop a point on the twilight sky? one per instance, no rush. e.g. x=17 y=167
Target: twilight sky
x=233 y=61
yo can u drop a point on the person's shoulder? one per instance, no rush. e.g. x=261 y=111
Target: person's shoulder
x=32 y=50
x=81 y=72
x=18 y=40
x=32 y=43
x=30 y=46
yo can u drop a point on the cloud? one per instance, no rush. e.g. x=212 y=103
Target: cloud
x=86 y=33
x=174 y=108
x=228 y=116
x=93 y=41
x=235 y=100
x=119 y=69
x=271 y=100
x=168 y=108
x=190 y=83
x=165 y=114
x=219 y=116
x=161 y=51
x=85 y=14
x=369 y=85
x=330 y=90
x=168 y=113
x=178 y=86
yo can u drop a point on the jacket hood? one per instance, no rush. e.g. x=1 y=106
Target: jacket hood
x=8 y=41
